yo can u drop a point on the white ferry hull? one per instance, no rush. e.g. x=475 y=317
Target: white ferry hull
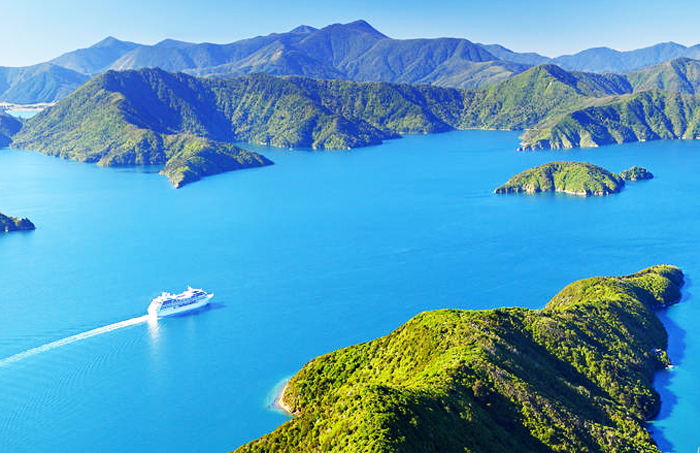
x=156 y=311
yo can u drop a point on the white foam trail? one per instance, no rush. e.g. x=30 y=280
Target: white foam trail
x=72 y=339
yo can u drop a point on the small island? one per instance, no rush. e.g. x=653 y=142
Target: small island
x=576 y=178
x=8 y=224
x=576 y=375
x=636 y=174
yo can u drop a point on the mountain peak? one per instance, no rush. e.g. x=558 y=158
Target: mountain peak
x=172 y=43
x=109 y=41
x=304 y=29
x=358 y=26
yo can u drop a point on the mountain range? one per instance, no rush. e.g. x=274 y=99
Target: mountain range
x=151 y=116
x=354 y=51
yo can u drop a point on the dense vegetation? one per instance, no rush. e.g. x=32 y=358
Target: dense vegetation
x=9 y=126
x=8 y=224
x=574 y=376
x=636 y=174
x=577 y=178
x=120 y=111
x=135 y=117
x=195 y=157
x=146 y=118
x=648 y=115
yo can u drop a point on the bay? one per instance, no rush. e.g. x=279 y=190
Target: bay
x=320 y=251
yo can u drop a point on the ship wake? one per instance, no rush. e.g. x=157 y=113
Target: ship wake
x=72 y=339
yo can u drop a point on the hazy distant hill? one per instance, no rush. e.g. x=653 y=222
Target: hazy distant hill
x=681 y=75
x=528 y=58
x=353 y=51
x=97 y=58
x=604 y=59
x=40 y=83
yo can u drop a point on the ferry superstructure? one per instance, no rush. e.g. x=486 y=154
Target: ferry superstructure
x=172 y=304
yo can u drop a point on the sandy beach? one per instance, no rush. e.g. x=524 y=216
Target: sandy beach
x=281 y=404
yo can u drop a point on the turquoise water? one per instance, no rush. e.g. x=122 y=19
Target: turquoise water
x=318 y=252
x=23 y=113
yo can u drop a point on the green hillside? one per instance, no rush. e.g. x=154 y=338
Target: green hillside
x=576 y=178
x=145 y=118
x=134 y=117
x=535 y=95
x=9 y=126
x=574 y=376
x=119 y=117
x=644 y=116
x=681 y=75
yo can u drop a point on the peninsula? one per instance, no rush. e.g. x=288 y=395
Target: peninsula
x=576 y=178
x=8 y=224
x=574 y=376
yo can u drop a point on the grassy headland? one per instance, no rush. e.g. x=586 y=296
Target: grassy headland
x=574 y=376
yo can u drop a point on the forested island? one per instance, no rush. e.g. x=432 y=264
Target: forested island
x=636 y=174
x=8 y=224
x=574 y=376
x=575 y=178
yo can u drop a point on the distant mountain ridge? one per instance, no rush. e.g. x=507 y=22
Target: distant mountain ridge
x=353 y=51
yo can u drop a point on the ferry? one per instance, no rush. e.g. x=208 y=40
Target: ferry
x=173 y=304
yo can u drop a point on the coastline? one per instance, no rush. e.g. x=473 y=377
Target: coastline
x=279 y=403
x=10 y=106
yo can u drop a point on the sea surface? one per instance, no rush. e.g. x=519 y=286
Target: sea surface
x=320 y=251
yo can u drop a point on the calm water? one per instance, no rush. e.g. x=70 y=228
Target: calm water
x=318 y=252
x=23 y=113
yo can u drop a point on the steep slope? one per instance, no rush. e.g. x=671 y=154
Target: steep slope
x=681 y=75
x=353 y=51
x=574 y=376
x=649 y=115
x=9 y=126
x=120 y=118
x=117 y=117
x=140 y=118
x=528 y=98
x=41 y=83
x=96 y=58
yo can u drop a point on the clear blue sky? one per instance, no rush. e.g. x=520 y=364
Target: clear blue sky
x=32 y=31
